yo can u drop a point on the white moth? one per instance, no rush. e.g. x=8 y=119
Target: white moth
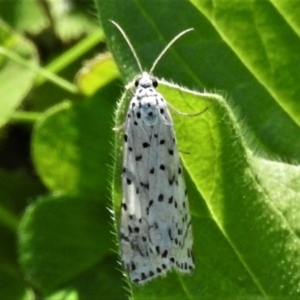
x=156 y=231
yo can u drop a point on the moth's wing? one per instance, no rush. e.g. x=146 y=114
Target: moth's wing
x=169 y=217
x=155 y=221
x=137 y=251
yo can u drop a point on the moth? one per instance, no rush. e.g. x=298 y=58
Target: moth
x=156 y=231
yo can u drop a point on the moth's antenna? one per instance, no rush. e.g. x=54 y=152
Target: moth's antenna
x=168 y=46
x=129 y=44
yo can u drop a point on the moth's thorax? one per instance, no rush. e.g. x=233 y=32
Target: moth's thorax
x=147 y=101
x=145 y=85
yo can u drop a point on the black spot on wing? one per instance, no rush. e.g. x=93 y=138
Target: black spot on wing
x=164 y=254
x=145 y=185
x=138 y=157
x=124 y=206
x=133 y=267
x=161 y=198
x=147 y=209
x=171 y=181
x=124 y=237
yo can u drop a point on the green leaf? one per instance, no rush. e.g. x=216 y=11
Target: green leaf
x=262 y=35
x=16 y=81
x=62 y=239
x=96 y=73
x=204 y=58
x=239 y=201
x=68 y=19
x=73 y=18
x=246 y=235
x=76 y=138
x=23 y=15
x=266 y=43
x=12 y=288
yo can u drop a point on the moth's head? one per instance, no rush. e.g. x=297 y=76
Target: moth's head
x=145 y=80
